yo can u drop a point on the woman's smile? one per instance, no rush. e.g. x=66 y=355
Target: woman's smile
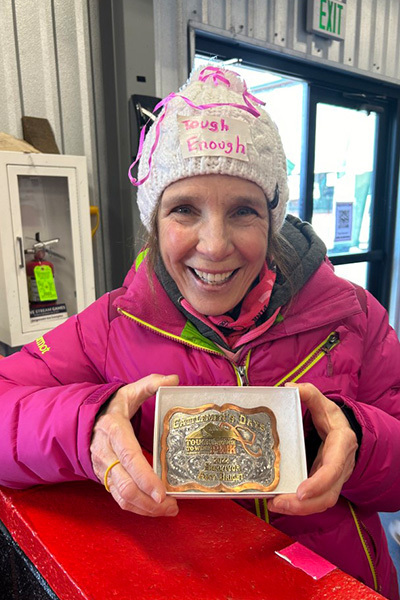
x=213 y=236
x=213 y=278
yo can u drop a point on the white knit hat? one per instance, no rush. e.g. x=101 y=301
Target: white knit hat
x=213 y=125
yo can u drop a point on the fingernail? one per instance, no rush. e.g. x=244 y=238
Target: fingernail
x=282 y=505
x=156 y=496
x=304 y=496
x=172 y=511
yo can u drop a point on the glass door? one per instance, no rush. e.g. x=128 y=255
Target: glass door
x=346 y=193
x=344 y=174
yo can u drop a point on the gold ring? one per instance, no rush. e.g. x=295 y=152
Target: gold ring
x=116 y=462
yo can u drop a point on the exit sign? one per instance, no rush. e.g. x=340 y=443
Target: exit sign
x=327 y=18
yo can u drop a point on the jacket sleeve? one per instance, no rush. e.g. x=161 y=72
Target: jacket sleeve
x=375 y=481
x=50 y=393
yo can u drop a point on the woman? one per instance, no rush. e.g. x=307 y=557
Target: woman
x=226 y=293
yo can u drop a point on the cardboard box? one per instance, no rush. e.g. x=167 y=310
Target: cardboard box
x=229 y=442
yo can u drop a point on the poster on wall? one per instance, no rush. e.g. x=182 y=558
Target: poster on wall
x=343 y=221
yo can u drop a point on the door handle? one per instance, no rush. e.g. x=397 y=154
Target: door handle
x=21 y=253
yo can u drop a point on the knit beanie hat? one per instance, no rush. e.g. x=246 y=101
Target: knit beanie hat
x=213 y=125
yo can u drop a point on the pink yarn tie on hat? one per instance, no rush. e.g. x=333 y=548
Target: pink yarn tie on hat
x=216 y=75
x=218 y=78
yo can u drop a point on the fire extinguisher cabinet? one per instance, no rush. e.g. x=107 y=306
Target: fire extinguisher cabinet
x=46 y=258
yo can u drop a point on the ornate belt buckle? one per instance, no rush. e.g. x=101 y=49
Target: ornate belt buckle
x=212 y=448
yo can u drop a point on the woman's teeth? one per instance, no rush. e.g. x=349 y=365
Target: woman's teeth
x=213 y=278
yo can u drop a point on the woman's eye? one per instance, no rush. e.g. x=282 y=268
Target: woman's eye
x=244 y=211
x=182 y=210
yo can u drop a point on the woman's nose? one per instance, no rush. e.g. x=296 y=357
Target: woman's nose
x=215 y=241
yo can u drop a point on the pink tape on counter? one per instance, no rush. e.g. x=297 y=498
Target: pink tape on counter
x=217 y=76
x=308 y=561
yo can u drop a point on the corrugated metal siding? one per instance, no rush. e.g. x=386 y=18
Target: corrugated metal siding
x=48 y=70
x=371 y=46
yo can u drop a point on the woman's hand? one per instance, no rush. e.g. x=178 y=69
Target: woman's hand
x=334 y=462
x=132 y=483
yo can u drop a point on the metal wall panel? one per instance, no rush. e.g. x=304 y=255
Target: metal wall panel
x=392 y=54
x=300 y=37
x=351 y=42
x=214 y=12
x=261 y=20
x=37 y=61
x=10 y=106
x=66 y=35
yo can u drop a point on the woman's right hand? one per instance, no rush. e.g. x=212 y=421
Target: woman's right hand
x=132 y=483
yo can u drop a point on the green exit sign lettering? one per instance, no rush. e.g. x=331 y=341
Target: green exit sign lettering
x=327 y=18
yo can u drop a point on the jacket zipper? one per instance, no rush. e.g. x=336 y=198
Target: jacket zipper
x=168 y=335
x=312 y=359
x=243 y=380
x=242 y=370
x=315 y=356
x=365 y=545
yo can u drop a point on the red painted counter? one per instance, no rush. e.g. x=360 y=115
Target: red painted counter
x=86 y=547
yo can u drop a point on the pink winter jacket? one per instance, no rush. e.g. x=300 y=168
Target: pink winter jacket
x=52 y=390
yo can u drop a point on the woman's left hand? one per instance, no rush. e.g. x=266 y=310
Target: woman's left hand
x=334 y=463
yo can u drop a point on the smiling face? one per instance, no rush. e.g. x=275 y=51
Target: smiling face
x=213 y=238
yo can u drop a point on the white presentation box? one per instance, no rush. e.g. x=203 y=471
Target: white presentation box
x=228 y=442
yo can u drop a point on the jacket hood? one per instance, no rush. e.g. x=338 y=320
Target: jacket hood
x=305 y=253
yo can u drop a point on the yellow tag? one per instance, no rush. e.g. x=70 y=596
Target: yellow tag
x=45 y=283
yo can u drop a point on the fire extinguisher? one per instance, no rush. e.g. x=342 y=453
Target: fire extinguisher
x=40 y=273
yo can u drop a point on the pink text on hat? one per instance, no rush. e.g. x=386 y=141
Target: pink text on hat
x=200 y=136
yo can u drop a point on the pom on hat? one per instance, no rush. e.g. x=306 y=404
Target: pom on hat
x=213 y=125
